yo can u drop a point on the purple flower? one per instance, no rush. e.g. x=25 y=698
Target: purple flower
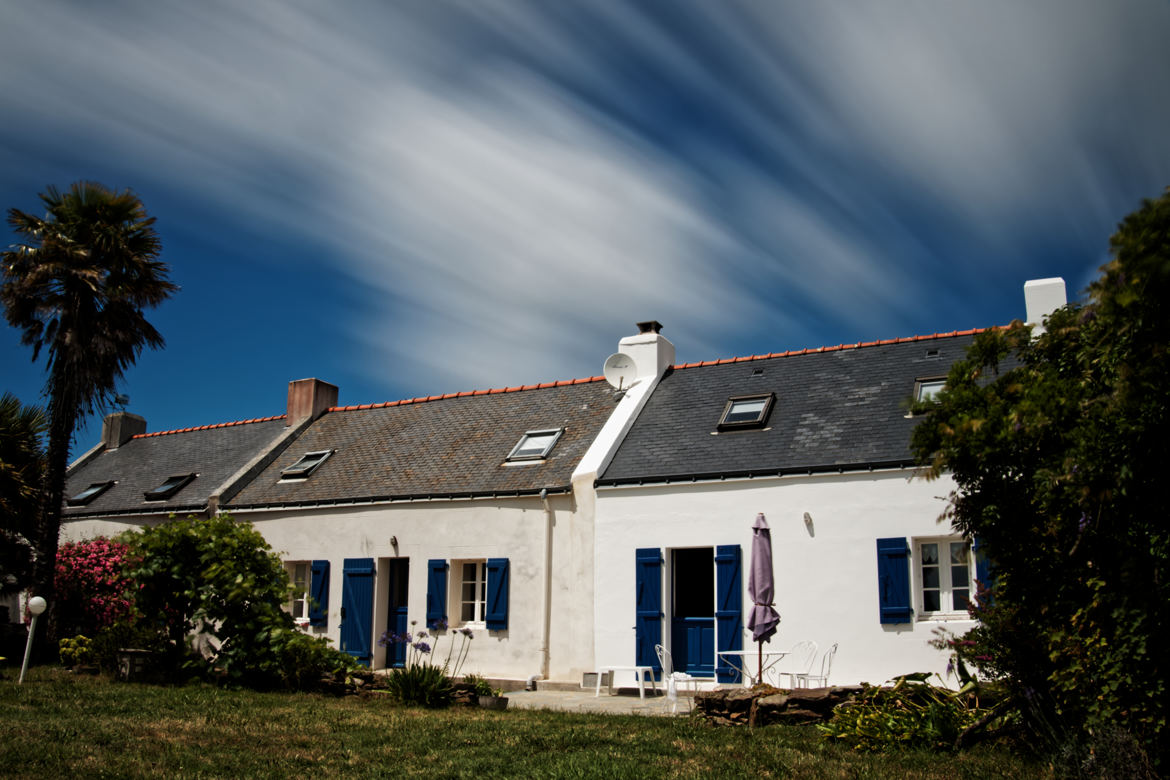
x=422 y=634
x=422 y=647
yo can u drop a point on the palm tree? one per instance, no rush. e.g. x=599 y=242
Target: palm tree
x=76 y=288
x=22 y=460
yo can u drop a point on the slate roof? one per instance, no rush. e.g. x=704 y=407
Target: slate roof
x=438 y=447
x=836 y=408
x=214 y=452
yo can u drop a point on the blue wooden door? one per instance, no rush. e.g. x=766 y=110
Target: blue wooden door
x=692 y=643
x=399 y=575
x=357 y=608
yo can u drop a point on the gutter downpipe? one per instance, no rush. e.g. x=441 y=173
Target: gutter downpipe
x=546 y=628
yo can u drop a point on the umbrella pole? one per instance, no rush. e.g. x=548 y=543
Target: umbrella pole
x=760 y=661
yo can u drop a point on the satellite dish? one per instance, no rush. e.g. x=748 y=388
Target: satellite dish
x=619 y=370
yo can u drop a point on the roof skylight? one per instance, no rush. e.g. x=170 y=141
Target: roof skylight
x=307 y=464
x=746 y=411
x=89 y=494
x=169 y=488
x=535 y=445
x=927 y=389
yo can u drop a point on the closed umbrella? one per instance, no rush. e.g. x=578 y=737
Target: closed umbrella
x=762 y=587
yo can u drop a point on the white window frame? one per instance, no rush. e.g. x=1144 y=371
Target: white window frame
x=478 y=601
x=301 y=590
x=946 y=587
x=554 y=435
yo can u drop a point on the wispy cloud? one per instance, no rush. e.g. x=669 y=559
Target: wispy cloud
x=512 y=183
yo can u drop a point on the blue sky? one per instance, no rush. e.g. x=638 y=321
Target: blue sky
x=409 y=198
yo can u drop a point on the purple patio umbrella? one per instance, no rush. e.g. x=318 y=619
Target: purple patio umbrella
x=761 y=587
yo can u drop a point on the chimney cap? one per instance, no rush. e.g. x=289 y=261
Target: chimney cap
x=649 y=326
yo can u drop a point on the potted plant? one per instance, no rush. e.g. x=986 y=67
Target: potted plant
x=488 y=697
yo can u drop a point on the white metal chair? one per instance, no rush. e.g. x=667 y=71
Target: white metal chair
x=673 y=678
x=798 y=662
x=804 y=680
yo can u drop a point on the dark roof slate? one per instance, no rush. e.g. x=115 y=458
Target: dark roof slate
x=215 y=453
x=840 y=408
x=438 y=447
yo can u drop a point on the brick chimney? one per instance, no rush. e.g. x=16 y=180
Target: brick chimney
x=308 y=399
x=119 y=427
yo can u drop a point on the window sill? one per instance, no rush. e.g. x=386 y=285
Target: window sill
x=945 y=617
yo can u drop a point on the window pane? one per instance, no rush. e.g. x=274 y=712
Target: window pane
x=960 y=577
x=959 y=552
x=468 y=613
x=468 y=591
x=929 y=554
x=930 y=601
x=928 y=390
x=960 y=599
x=745 y=411
x=930 y=577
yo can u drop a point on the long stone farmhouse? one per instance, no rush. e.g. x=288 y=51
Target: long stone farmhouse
x=577 y=524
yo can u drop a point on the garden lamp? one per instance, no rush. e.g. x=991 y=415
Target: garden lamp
x=36 y=605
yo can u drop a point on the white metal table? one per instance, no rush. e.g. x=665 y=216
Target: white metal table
x=739 y=659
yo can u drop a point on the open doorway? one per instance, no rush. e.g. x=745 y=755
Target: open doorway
x=398 y=572
x=692 y=610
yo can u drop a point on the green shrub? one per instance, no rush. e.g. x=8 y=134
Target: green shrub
x=77 y=651
x=910 y=713
x=420 y=684
x=479 y=686
x=304 y=660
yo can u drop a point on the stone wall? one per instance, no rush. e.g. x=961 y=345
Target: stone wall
x=766 y=705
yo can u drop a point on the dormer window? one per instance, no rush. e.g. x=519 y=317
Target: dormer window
x=89 y=494
x=535 y=445
x=169 y=488
x=927 y=389
x=307 y=464
x=746 y=411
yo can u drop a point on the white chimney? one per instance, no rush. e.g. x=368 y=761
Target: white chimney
x=1041 y=298
x=651 y=351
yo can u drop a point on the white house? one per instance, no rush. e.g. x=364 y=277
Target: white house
x=579 y=523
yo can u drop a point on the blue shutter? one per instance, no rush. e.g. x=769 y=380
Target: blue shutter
x=894 y=580
x=648 y=607
x=728 y=608
x=496 y=615
x=319 y=593
x=983 y=568
x=436 y=591
x=357 y=608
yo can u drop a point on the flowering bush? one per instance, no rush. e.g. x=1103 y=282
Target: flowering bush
x=93 y=592
x=420 y=680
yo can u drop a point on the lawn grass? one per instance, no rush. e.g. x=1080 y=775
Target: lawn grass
x=58 y=724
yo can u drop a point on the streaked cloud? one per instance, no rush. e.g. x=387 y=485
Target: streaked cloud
x=511 y=184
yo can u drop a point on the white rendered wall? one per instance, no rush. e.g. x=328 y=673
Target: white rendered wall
x=826 y=573
x=513 y=529
x=452 y=530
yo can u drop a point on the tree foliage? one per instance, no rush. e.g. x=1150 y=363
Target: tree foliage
x=22 y=461
x=217 y=583
x=1058 y=446
x=76 y=287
